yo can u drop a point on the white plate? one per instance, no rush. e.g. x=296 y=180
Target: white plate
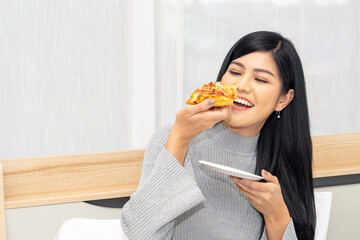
x=231 y=171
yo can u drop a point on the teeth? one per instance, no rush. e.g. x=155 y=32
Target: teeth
x=242 y=101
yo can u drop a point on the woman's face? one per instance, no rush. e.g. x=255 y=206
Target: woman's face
x=258 y=83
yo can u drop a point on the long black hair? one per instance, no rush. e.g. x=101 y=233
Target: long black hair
x=284 y=146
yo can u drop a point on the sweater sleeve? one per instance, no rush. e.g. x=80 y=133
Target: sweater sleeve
x=290 y=233
x=166 y=191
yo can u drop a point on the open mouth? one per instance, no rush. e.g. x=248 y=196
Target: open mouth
x=242 y=103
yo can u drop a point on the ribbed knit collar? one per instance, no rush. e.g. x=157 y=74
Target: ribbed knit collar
x=232 y=141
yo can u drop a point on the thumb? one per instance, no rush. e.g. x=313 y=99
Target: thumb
x=269 y=177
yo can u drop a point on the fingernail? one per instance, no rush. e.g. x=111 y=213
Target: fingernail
x=211 y=102
x=231 y=178
x=265 y=173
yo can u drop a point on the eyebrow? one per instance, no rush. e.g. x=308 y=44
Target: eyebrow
x=255 y=70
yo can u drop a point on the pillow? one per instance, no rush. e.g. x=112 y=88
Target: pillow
x=323 y=209
x=90 y=229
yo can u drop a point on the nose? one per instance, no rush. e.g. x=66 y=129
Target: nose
x=243 y=85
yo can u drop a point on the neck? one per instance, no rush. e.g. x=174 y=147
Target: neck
x=231 y=141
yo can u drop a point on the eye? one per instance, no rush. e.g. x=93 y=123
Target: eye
x=261 y=80
x=234 y=73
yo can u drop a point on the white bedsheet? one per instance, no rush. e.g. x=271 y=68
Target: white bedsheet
x=92 y=229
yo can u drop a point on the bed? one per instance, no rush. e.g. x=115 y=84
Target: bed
x=110 y=229
x=86 y=177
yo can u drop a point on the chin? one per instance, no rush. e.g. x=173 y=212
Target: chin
x=243 y=126
x=234 y=122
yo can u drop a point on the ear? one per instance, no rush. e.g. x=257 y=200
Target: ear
x=284 y=100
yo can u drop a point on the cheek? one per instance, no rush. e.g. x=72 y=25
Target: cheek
x=267 y=100
x=226 y=79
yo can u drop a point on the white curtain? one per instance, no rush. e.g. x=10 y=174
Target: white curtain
x=77 y=76
x=82 y=76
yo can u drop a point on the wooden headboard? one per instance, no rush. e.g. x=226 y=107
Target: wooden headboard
x=336 y=155
x=84 y=177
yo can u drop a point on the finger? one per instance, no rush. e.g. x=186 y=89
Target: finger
x=269 y=177
x=256 y=186
x=226 y=110
x=203 y=106
x=216 y=115
x=246 y=193
x=244 y=185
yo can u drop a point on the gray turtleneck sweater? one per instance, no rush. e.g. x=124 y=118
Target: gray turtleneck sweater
x=192 y=201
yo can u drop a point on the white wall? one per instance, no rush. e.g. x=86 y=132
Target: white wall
x=345 y=211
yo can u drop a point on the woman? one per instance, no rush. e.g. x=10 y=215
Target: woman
x=177 y=198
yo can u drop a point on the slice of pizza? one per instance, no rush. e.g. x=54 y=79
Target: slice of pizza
x=224 y=95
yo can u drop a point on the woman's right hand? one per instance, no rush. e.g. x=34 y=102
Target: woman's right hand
x=190 y=122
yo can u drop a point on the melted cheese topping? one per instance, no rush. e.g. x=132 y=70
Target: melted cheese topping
x=223 y=95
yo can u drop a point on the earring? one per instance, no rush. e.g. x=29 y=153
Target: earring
x=278 y=114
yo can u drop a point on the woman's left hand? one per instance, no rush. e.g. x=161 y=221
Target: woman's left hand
x=267 y=199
